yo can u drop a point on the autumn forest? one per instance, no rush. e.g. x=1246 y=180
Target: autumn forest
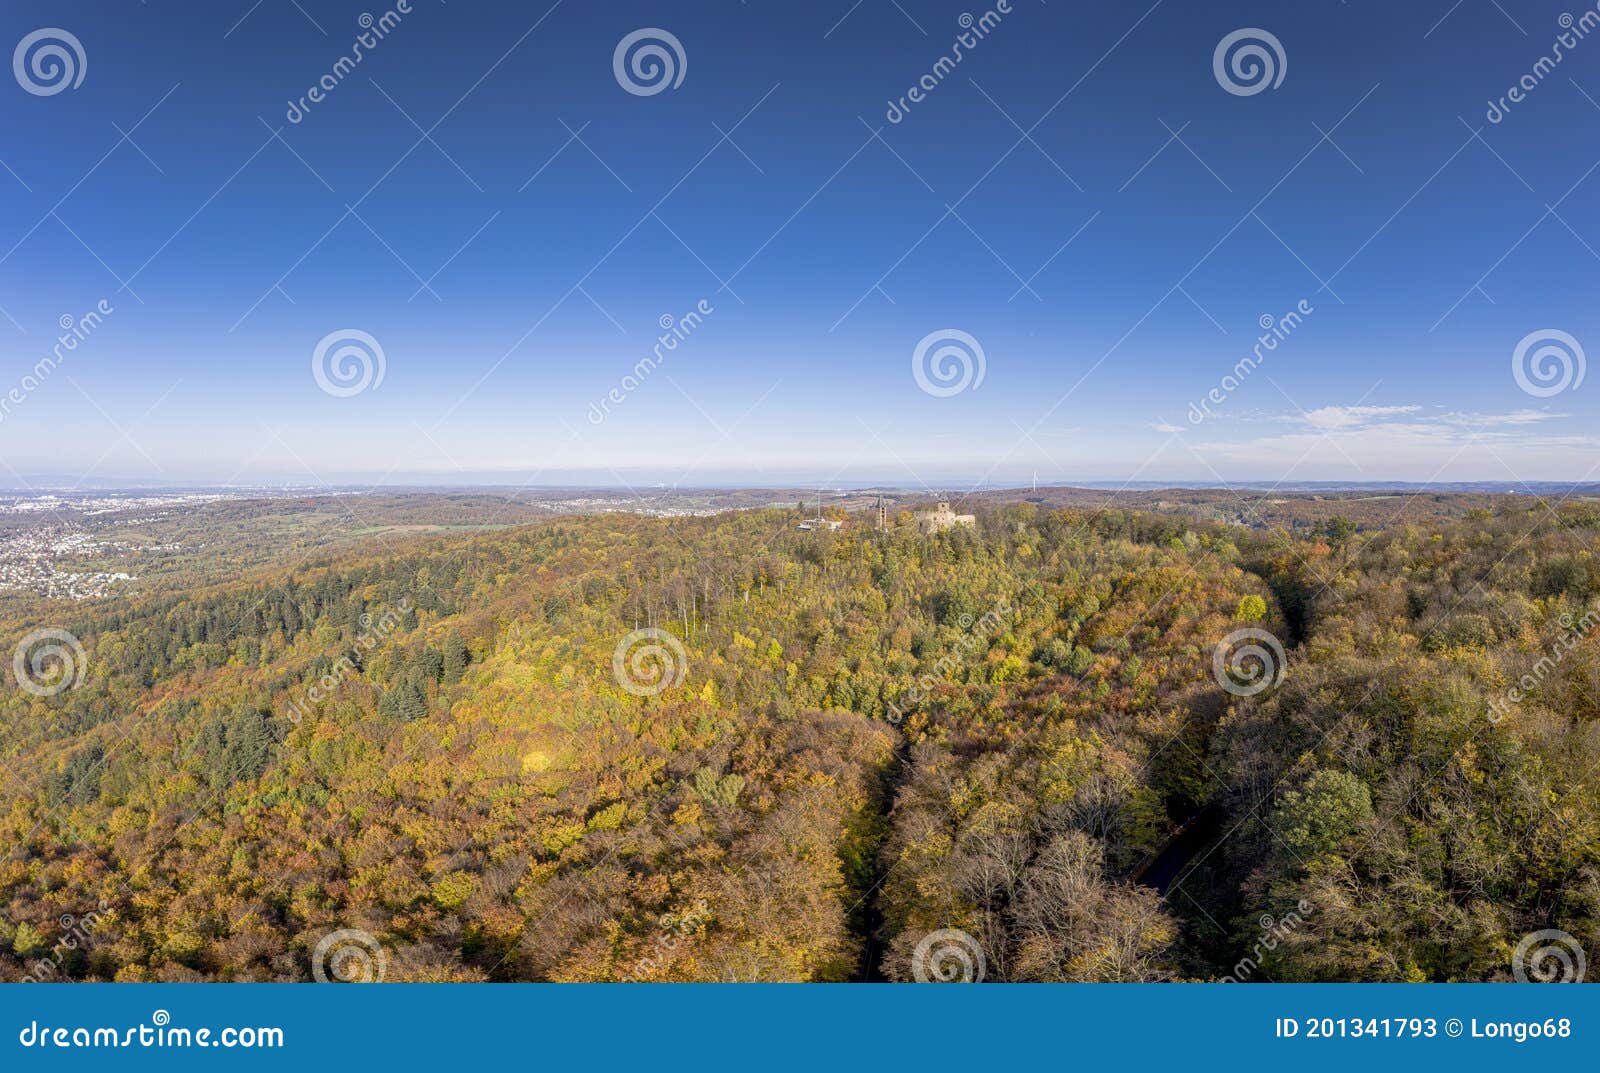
x=1089 y=743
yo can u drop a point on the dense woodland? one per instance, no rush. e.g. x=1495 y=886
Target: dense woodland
x=1015 y=731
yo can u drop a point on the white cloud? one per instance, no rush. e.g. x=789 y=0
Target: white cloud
x=1515 y=417
x=1395 y=442
x=1352 y=416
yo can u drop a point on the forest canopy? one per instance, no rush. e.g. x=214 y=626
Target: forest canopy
x=613 y=748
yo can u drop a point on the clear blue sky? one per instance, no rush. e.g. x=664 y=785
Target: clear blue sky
x=826 y=253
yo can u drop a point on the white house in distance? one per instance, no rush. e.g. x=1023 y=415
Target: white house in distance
x=942 y=518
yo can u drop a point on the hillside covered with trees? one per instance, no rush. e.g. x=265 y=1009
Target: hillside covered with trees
x=625 y=748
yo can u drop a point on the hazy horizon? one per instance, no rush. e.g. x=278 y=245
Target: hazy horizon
x=648 y=482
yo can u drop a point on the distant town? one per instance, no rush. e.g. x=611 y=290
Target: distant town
x=47 y=542
x=29 y=562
